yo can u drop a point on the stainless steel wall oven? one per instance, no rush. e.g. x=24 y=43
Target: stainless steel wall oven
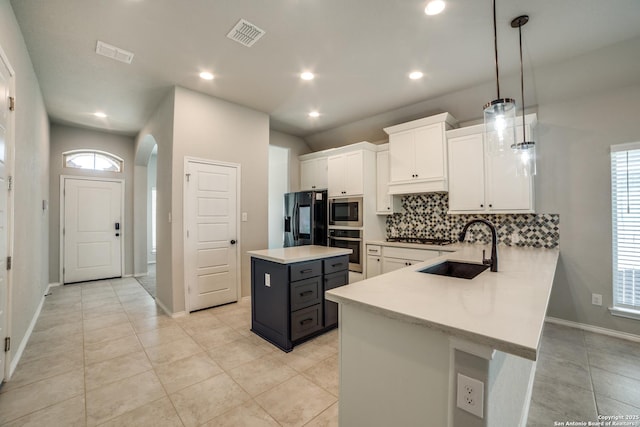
x=348 y=239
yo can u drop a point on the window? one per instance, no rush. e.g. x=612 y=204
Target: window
x=92 y=160
x=625 y=203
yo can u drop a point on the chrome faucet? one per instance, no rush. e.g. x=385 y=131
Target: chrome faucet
x=493 y=261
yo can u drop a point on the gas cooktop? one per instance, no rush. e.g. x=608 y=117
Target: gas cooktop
x=421 y=240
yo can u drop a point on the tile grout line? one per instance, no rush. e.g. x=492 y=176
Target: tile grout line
x=593 y=386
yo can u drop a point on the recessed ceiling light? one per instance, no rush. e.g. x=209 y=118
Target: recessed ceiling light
x=307 y=75
x=314 y=114
x=100 y=114
x=205 y=75
x=434 y=7
x=415 y=75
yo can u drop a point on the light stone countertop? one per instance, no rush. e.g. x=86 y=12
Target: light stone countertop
x=298 y=253
x=503 y=310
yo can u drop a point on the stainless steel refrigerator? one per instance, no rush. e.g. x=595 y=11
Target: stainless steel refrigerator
x=305 y=220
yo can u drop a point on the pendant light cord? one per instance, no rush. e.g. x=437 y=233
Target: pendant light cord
x=495 y=46
x=524 y=134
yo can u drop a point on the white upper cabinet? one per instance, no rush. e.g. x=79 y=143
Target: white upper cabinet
x=484 y=183
x=313 y=174
x=346 y=174
x=418 y=155
x=466 y=173
x=386 y=204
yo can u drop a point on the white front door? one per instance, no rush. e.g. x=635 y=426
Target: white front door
x=92 y=229
x=211 y=252
x=5 y=122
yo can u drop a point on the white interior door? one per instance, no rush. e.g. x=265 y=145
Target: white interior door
x=211 y=254
x=5 y=76
x=92 y=240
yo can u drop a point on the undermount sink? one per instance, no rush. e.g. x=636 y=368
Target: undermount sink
x=462 y=270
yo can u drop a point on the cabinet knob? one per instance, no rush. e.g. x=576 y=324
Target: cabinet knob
x=490 y=206
x=313 y=186
x=388 y=208
x=482 y=206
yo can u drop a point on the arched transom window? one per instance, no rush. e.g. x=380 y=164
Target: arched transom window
x=92 y=160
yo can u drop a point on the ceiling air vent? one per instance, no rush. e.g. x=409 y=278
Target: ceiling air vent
x=245 y=33
x=113 y=52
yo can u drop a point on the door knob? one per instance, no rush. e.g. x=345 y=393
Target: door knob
x=233 y=242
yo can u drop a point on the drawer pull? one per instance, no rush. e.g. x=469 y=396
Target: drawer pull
x=305 y=321
x=305 y=293
x=307 y=271
x=336 y=265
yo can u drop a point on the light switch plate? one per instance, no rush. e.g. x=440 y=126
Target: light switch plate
x=596 y=299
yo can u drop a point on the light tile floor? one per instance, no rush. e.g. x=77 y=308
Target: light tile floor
x=581 y=375
x=102 y=353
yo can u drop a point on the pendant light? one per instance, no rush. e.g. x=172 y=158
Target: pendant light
x=525 y=149
x=499 y=114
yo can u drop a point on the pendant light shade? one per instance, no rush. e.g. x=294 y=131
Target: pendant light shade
x=499 y=125
x=525 y=149
x=499 y=114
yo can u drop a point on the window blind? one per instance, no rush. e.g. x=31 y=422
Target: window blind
x=625 y=195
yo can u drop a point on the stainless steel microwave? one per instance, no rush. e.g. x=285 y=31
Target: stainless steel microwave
x=346 y=212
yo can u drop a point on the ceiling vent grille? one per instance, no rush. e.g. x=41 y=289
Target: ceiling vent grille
x=113 y=52
x=245 y=33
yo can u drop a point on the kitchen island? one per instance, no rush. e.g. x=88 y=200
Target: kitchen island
x=287 y=292
x=407 y=336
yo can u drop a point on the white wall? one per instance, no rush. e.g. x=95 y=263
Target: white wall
x=297 y=146
x=278 y=185
x=211 y=128
x=30 y=273
x=65 y=138
x=158 y=130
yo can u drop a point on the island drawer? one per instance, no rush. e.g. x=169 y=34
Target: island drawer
x=304 y=270
x=306 y=292
x=306 y=321
x=339 y=263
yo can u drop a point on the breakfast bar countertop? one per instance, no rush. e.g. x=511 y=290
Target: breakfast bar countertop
x=504 y=310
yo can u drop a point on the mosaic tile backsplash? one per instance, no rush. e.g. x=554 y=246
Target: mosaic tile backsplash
x=425 y=215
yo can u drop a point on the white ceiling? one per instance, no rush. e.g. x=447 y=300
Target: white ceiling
x=360 y=50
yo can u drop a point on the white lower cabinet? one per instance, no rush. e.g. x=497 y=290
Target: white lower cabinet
x=383 y=259
x=374 y=266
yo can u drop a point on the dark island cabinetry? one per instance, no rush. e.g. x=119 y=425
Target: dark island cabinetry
x=287 y=300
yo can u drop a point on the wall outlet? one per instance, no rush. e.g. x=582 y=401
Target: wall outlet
x=596 y=299
x=267 y=280
x=470 y=395
x=515 y=237
x=244 y=217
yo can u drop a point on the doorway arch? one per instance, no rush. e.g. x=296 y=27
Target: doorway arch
x=144 y=181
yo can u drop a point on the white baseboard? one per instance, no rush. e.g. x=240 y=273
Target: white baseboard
x=127 y=275
x=15 y=357
x=141 y=274
x=595 y=329
x=53 y=285
x=168 y=312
